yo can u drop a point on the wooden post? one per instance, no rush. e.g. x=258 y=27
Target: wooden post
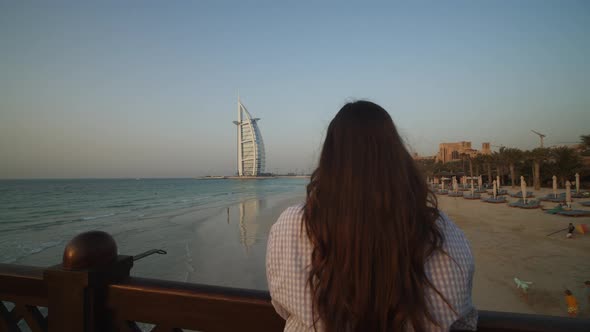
x=77 y=287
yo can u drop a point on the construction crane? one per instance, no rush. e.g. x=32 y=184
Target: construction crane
x=541 y=136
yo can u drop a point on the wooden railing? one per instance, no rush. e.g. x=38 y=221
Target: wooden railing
x=191 y=306
x=25 y=288
x=92 y=291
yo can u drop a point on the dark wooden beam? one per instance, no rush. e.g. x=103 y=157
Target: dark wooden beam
x=192 y=306
x=23 y=284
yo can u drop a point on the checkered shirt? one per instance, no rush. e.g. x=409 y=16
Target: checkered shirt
x=288 y=259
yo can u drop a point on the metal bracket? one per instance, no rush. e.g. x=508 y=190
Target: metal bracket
x=149 y=252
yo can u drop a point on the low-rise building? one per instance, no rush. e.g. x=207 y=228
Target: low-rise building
x=448 y=152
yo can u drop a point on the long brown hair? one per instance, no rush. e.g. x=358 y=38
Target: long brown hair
x=372 y=221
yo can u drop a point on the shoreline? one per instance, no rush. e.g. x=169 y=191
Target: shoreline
x=205 y=244
x=222 y=177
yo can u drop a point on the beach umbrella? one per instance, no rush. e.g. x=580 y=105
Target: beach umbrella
x=554 y=186
x=472 y=189
x=583 y=228
x=479 y=182
x=495 y=189
x=577 y=183
x=568 y=193
x=523 y=188
x=498 y=181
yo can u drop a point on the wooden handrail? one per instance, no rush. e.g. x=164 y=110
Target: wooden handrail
x=19 y=283
x=89 y=293
x=192 y=306
x=212 y=308
x=495 y=321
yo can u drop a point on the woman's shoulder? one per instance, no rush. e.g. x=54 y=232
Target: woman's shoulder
x=451 y=272
x=455 y=246
x=289 y=220
x=452 y=234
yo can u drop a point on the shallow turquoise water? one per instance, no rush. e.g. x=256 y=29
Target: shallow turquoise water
x=37 y=215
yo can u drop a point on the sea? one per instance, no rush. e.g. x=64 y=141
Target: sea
x=213 y=230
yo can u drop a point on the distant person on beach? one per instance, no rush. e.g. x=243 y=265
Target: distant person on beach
x=572 y=304
x=570 y=231
x=369 y=250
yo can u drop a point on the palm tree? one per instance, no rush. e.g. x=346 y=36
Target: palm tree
x=465 y=156
x=488 y=159
x=427 y=166
x=511 y=156
x=497 y=161
x=453 y=166
x=585 y=144
x=538 y=156
x=566 y=162
x=478 y=162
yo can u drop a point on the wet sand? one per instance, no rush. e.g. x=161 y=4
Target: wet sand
x=511 y=242
x=218 y=249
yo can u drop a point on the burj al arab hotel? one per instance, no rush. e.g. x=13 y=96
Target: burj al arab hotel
x=251 y=159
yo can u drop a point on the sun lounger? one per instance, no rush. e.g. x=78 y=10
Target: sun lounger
x=500 y=192
x=532 y=204
x=497 y=200
x=529 y=194
x=554 y=210
x=552 y=198
x=474 y=196
x=574 y=213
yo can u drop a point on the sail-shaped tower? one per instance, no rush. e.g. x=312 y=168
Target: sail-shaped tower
x=251 y=159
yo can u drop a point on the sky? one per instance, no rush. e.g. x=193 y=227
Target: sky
x=149 y=89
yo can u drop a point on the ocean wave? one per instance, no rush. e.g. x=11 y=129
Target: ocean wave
x=21 y=250
x=44 y=246
x=96 y=217
x=118 y=205
x=43 y=213
x=143 y=207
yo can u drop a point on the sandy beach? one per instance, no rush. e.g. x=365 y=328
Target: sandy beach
x=511 y=242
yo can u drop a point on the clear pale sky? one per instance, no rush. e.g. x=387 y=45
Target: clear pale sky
x=146 y=89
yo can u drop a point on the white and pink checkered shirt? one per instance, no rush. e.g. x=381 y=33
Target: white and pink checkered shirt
x=288 y=258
